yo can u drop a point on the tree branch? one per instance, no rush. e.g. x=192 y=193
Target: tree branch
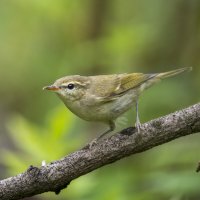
x=58 y=174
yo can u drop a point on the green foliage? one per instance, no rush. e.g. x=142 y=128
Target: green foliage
x=35 y=143
x=45 y=40
x=156 y=172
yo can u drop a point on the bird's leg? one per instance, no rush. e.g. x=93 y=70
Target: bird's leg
x=112 y=127
x=137 y=123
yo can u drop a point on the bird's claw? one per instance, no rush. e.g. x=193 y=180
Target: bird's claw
x=92 y=143
x=138 y=126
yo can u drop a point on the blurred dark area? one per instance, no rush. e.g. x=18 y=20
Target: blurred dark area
x=42 y=41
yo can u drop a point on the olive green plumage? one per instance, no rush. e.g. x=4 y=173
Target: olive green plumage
x=105 y=97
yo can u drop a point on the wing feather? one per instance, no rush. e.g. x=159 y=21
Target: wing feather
x=130 y=81
x=110 y=87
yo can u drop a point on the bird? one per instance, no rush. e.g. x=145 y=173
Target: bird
x=103 y=98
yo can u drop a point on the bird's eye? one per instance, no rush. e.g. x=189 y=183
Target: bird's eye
x=70 y=86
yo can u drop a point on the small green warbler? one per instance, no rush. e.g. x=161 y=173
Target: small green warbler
x=105 y=97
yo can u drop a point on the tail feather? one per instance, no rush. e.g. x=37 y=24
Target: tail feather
x=173 y=72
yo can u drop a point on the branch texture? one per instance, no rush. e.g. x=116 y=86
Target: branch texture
x=57 y=175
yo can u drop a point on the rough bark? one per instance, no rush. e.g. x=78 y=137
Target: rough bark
x=57 y=175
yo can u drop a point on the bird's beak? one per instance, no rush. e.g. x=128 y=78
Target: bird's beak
x=51 y=87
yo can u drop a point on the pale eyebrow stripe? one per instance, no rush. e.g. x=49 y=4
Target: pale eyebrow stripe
x=73 y=82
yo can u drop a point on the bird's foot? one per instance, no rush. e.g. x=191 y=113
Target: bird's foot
x=93 y=143
x=138 y=126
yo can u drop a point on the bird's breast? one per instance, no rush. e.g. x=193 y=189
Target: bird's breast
x=92 y=110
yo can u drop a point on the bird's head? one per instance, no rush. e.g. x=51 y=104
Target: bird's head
x=69 y=88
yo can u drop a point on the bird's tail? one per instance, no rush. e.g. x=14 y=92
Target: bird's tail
x=173 y=72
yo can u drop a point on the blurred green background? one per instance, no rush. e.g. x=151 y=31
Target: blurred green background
x=45 y=40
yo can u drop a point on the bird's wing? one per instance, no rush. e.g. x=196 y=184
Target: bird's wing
x=131 y=81
x=116 y=86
